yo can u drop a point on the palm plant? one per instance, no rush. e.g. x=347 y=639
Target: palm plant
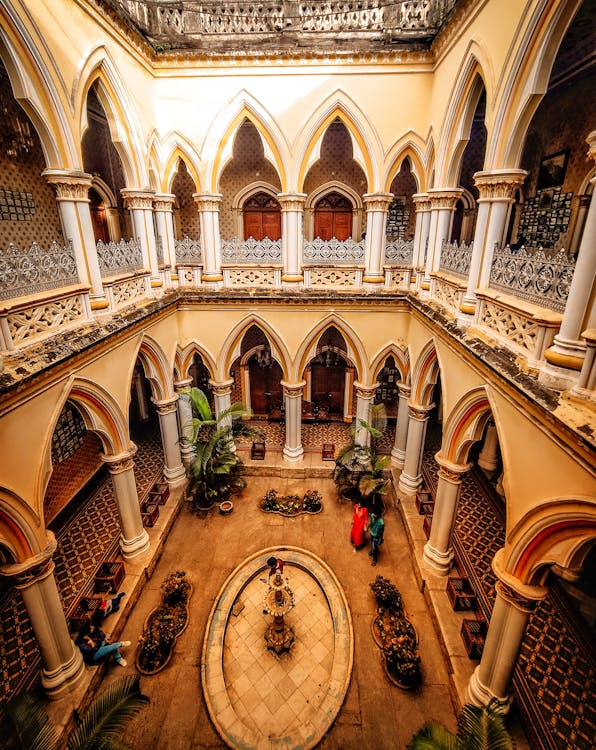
x=26 y=725
x=477 y=729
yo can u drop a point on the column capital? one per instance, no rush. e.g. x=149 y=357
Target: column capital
x=421 y=413
x=164 y=201
x=207 y=201
x=69 y=186
x=449 y=471
x=121 y=462
x=404 y=390
x=591 y=141
x=34 y=568
x=292 y=201
x=499 y=184
x=166 y=405
x=444 y=199
x=365 y=391
x=137 y=199
x=222 y=388
x=521 y=595
x=292 y=390
x=377 y=201
x=421 y=202
x=183 y=384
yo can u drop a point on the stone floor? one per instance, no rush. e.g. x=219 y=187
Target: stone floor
x=375 y=714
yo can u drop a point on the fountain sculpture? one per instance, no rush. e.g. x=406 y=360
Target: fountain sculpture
x=279 y=600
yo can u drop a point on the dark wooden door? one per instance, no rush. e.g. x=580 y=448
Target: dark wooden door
x=265 y=386
x=333 y=217
x=327 y=387
x=262 y=217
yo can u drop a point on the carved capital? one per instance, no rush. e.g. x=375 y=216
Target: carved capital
x=209 y=202
x=164 y=202
x=513 y=597
x=499 y=184
x=183 y=384
x=69 y=186
x=137 y=199
x=377 y=201
x=36 y=567
x=222 y=389
x=444 y=200
x=293 y=390
x=449 y=471
x=366 y=391
x=404 y=390
x=291 y=201
x=421 y=202
x=120 y=463
x=167 y=406
x=421 y=413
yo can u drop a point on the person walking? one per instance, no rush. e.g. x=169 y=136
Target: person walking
x=359 y=524
x=376 y=528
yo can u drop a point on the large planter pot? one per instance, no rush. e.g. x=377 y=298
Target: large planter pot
x=165 y=654
x=395 y=681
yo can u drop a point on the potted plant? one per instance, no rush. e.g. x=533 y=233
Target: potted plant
x=164 y=624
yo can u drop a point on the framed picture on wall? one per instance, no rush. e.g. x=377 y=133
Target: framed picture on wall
x=552 y=169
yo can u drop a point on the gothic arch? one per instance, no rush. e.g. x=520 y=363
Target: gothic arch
x=399 y=354
x=464 y=425
x=560 y=531
x=184 y=358
x=156 y=368
x=16 y=527
x=230 y=348
x=424 y=375
x=180 y=149
x=99 y=71
x=365 y=144
x=219 y=141
x=355 y=349
x=408 y=147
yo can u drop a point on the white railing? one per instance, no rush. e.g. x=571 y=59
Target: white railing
x=399 y=252
x=333 y=251
x=535 y=277
x=188 y=251
x=250 y=250
x=456 y=258
x=24 y=272
x=119 y=257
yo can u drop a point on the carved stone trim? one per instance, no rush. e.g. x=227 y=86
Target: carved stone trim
x=451 y=472
x=210 y=202
x=69 y=187
x=421 y=202
x=421 y=413
x=120 y=463
x=293 y=391
x=222 y=389
x=499 y=185
x=164 y=202
x=366 y=391
x=167 y=406
x=377 y=201
x=513 y=597
x=444 y=200
x=404 y=390
x=137 y=199
x=292 y=201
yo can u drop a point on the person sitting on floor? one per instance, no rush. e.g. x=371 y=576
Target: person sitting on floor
x=95 y=647
x=108 y=606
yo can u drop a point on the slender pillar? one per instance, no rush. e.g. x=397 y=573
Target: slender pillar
x=308 y=378
x=292 y=235
x=586 y=385
x=167 y=411
x=61 y=661
x=134 y=539
x=422 y=208
x=438 y=551
x=583 y=204
x=140 y=205
x=142 y=402
x=208 y=207
x=72 y=197
x=565 y=357
x=377 y=205
x=293 y=450
x=163 y=206
x=497 y=190
x=245 y=386
x=398 y=454
x=364 y=397
x=222 y=395
x=411 y=478
x=442 y=207
x=187 y=451
x=514 y=604
x=348 y=393
x=488 y=460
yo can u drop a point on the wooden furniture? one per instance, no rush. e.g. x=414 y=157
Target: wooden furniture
x=159 y=493
x=82 y=611
x=461 y=595
x=276 y=414
x=308 y=411
x=473 y=633
x=108 y=577
x=426 y=524
x=328 y=452
x=257 y=451
x=424 y=502
x=149 y=513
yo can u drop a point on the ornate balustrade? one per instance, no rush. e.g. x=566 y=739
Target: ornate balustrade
x=159 y=251
x=119 y=257
x=533 y=276
x=24 y=272
x=333 y=252
x=188 y=251
x=250 y=251
x=456 y=258
x=399 y=252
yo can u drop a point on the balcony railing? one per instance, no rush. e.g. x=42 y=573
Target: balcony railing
x=535 y=276
x=251 y=251
x=456 y=258
x=24 y=272
x=119 y=257
x=399 y=252
x=188 y=251
x=333 y=252
x=159 y=251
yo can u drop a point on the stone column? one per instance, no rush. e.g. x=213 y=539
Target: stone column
x=292 y=235
x=422 y=208
x=438 y=551
x=61 y=661
x=134 y=539
x=364 y=396
x=411 y=478
x=442 y=207
x=583 y=204
x=308 y=379
x=514 y=604
x=565 y=357
x=348 y=393
x=377 y=205
x=72 y=196
x=137 y=380
x=140 y=205
x=586 y=385
x=488 y=460
x=497 y=191
x=163 y=206
x=208 y=207
x=187 y=451
x=222 y=393
x=398 y=454
x=293 y=450
x=167 y=411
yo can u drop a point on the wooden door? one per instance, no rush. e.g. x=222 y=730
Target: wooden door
x=262 y=217
x=333 y=217
x=265 y=386
x=327 y=387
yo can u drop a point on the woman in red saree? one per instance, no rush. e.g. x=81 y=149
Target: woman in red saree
x=359 y=525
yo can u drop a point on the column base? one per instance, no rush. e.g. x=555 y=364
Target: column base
x=367 y=279
x=398 y=458
x=172 y=475
x=292 y=278
x=481 y=696
x=407 y=484
x=65 y=678
x=156 y=283
x=98 y=303
x=293 y=455
x=133 y=547
x=440 y=562
x=464 y=319
x=212 y=277
x=558 y=378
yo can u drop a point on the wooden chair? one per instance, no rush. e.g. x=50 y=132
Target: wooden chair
x=328 y=452
x=257 y=451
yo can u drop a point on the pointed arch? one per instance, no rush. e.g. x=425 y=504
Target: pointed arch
x=560 y=531
x=219 y=141
x=184 y=359
x=425 y=375
x=17 y=525
x=464 y=425
x=98 y=70
x=180 y=148
x=399 y=354
x=230 y=348
x=408 y=147
x=156 y=367
x=365 y=142
x=356 y=352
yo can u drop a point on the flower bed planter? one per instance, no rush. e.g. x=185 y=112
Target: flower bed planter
x=292 y=505
x=164 y=625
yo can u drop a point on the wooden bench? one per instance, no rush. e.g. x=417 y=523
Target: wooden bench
x=159 y=493
x=473 y=633
x=424 y=502
x=328 y=452
x=426 y=524
x=149 y=513
x=108 y=577
x=461 y=595
x=82 y=611
x=257 y=451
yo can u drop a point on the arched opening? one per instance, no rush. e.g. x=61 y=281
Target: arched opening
x=401 y=216
x=327 y=377
x=261 y=215
x=333 y=217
